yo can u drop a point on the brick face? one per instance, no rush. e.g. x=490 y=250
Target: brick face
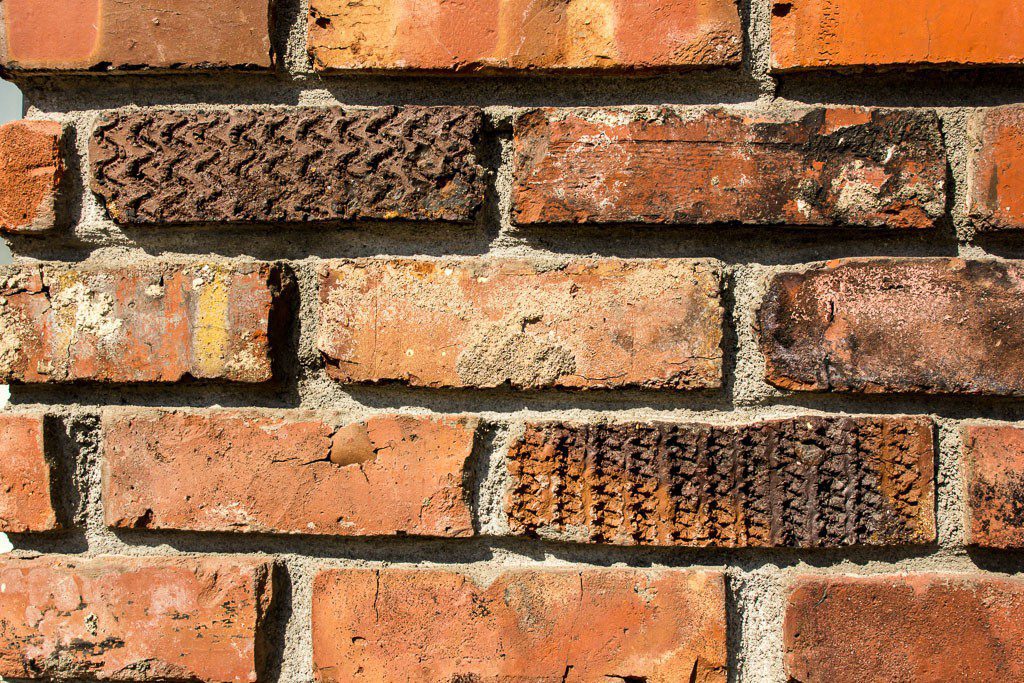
x=157 y=322
x=528 y=624
x=100 y=35
x=581 y=324
x=805 y=482
x=867 y=33
x=489 y=35
x=928 y=628
x=996 y=184
x=26 y=476
x=993 y=470
x=253 y=471
x=135 y=619
x=31 y=168
x=820 y=167
x=940 y=325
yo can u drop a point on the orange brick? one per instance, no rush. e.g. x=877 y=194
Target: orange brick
x=586 y=324
x=996 y=183
x=527 y=625
x=993 y=465
x=26 y=476
x=158 y=322
x=293 y=472
x=31 y=169
x=71 y=35
x=133 y=619
x=488 y=35
x=869 y=33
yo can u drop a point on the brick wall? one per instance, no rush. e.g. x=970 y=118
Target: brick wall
x=581 y=340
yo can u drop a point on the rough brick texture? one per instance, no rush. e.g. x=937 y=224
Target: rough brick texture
x=100 y=35
x=803 y=482
x=924 y=628
x=288 y=165
x=993 y=470
x=26 y=476
x=996 y=183
x=939 y=325
x=840 y=166
x=586 y=323
x=809 y=34
x=525 y=35
x=31 y=169
x=139 y=619
x=527 y=625
x=248 y=471
x=155 y=322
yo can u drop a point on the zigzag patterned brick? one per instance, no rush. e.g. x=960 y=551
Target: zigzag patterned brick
x=804 y=482
x=289 y=165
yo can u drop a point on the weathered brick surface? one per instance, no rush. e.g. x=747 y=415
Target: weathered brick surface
x=937 y=325
x=99 y=35
x=148 y=322
x=138 y=619
x=996 y=183
x=867 y=33
x=837 y=166
x=802 y=482
x=926 y=628
x=527 y=625
x=585 y=323
x=31 y=169
x=488 y=35
x=993 y=470
x=26 y=476
x=254 y=471
x=288 y=165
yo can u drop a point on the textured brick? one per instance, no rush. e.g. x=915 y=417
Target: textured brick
x=810 y=167
x=802 y=482
x=31 y=169
x=585 y=323
x=809 y=34
x=293 y=472
x=138 y=619
x=489 y=35
x=993 y=465
x=527 y=625
x=925 y=628
x=26 y=476
x=156 y=322
x=99 y=35
x=940 y=325
x=996 y=183
x=289 y=165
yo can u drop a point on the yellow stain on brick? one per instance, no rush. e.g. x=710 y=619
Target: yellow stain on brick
x=590 y=37
x=210 y=336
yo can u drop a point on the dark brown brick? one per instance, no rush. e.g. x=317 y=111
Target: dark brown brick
x=940 y=325
x=288 y=165
x=811 y=167
x=802 y=482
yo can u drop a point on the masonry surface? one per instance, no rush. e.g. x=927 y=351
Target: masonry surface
x=575 y=340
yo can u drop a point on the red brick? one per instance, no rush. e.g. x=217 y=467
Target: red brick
x=993 y=467
x=293 y=472
x=494 y=35
x=133 y=619
x=155 y=322
x=809 y=167
x=99 y=35
x=26 y=476
x=31 y=168
x=809 y=34
x=585 y=323
x=930 y=325
x=996 y=182
x=527 y=625
x=926 y=628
